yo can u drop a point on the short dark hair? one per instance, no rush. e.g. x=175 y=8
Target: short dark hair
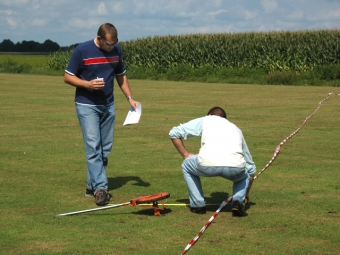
x=107 y=28
x=218 y=111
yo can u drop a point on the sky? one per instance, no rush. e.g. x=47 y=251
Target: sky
x=68 y=22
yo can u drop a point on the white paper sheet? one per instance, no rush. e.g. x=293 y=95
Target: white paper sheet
x=133 y=116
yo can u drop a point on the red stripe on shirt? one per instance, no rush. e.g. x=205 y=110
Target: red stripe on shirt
x=98 y=61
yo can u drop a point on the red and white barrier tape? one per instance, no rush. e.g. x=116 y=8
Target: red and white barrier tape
x=277 y=151
x=206 y=225
x=278 y=148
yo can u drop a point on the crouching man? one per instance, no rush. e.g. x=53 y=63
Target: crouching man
x=223 y=152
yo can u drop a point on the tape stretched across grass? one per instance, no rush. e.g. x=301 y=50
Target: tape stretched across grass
x=276 y=153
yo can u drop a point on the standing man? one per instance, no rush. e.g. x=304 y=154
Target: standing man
x=223 y=152
x=92 y=68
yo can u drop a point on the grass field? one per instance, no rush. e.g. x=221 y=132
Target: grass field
x=21 y=59
x=295 y=202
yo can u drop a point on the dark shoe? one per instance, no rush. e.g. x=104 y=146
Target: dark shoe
x=102 y=197
x=89 y=192
x=238 y=209
x=198 y=210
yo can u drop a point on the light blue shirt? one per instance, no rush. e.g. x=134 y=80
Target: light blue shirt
x=194 y=128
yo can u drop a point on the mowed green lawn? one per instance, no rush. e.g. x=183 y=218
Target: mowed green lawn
x=295 y=202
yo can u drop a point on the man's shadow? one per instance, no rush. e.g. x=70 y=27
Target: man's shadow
x=215 y=200
x=120 y=181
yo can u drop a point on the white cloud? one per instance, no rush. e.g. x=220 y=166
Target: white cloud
x=102 y=9
x=38 y=22
x=134 y=19
x=83 y=23
x=12 y=22
x=334 y=14
x=296 y=15
x=14 y=3
x=251 y=14
x=214 y=13
x=269 y=6
x=7 y=12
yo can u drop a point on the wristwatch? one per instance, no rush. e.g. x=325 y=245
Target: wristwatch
x=129 y=97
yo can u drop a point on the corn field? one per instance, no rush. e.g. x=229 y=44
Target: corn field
x=298 y=51
x=273 y=51
x=59 y=60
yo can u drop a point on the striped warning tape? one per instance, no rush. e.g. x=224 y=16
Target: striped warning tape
x=276 y=153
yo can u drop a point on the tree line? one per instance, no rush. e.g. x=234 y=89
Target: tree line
x=31 y=46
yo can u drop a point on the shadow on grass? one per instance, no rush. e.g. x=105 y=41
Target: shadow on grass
x=118 y=182
x=215 y=200
x=144 y=211
x=150 y=211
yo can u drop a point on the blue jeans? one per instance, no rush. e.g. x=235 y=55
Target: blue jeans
x=97 y=124
x=192 y=172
